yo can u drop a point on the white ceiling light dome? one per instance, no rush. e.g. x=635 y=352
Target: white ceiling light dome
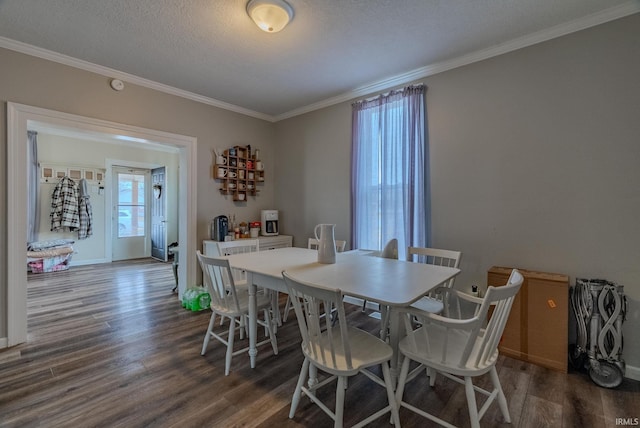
x=270 y=16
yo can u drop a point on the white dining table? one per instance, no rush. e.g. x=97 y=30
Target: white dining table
x=392 y=283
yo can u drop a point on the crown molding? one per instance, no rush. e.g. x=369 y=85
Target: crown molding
x=621 y=11
x=35 y=51
x=588 y=21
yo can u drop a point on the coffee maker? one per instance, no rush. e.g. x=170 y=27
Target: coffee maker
x=219 y=228
x=269 y=219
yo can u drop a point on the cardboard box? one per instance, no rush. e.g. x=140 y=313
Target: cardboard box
x=538 y=327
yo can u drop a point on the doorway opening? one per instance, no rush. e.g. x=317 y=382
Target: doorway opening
x=22 y=117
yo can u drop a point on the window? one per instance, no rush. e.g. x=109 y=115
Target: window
x=389 y=177
x=131 y=204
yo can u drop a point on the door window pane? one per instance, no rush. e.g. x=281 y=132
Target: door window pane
x=131 y=213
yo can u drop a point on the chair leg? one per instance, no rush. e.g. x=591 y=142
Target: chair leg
x=313 y=378
x=243 y=327
x=471 y=402
x=275 y=310
x=386 y=374
x=339 y=413
x=404 y=371
x=364 y=305
x=267 y=323
x=384 y=322
x=298 y=392
x=271 y=331
x=287 y=308
x=207 y=336
x=385 y=319
x=227 y=363
x=502 y=401
x=431 y=374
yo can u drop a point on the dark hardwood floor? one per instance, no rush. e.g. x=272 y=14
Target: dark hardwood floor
x=111 y=346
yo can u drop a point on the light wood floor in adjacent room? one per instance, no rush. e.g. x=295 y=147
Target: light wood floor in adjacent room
x=110 y=346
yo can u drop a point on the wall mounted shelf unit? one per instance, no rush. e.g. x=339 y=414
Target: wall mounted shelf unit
x=240 y=172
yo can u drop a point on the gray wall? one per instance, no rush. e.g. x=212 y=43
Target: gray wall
x=36 y=82
x=535 y=163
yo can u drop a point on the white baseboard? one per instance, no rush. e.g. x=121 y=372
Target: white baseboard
x=87 y=262
x=4 y=342
x=632 y=372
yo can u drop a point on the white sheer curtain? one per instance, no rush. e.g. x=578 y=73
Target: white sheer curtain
x=389 y=171
x=33 y=177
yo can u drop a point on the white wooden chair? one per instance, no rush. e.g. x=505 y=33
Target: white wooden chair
x=430 y=303
x=229 y=302
x=461 y=349
x=433 y=256
x=336 y=349
x=312 y=245
x=240 y=246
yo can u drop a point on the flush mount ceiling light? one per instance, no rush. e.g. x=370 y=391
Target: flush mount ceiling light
x=270 y=15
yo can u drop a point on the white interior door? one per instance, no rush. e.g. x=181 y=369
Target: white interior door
x=130 y=214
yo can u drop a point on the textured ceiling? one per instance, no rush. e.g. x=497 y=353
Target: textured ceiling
x=212 y=49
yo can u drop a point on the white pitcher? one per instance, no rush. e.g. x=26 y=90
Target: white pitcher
x=326 y=243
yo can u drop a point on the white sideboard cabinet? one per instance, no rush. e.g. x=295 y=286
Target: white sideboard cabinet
x=209 y=248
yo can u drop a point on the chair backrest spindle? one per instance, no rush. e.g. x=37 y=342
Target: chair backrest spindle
x=434 y=256
x=216 y=274
x=312 y=305
x=313 y=244
x=501 y=299
x=228 y=248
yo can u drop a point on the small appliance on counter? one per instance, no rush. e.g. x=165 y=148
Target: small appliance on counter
x=269 y=220
x=254 y=229
x=219 y=228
